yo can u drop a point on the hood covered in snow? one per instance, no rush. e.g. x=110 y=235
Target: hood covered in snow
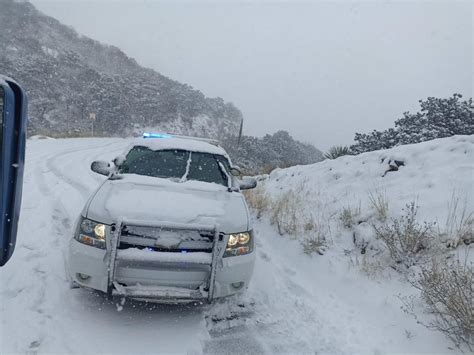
x=142 y=198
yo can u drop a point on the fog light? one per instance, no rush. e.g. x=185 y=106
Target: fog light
x=238 y=285
x=83 y=277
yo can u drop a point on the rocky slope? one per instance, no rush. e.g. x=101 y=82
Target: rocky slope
x=69 y=76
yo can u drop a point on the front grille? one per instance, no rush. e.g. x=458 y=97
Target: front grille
x=165 y=240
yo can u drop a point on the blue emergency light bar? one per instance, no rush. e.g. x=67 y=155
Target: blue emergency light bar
x=167 y=135
x=156 y=135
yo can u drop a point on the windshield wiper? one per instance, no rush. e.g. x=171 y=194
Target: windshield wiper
x=184 y=178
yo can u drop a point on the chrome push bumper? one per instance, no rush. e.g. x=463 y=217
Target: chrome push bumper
x=164 y=293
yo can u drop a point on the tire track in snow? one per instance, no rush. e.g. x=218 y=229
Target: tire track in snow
x=31 y=283
x=83 y=189
x=259 y=322
x=61 y=227
x=60 y=231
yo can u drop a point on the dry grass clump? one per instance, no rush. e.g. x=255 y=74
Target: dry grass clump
x=379 y=203
x=447 y=288
x=314 y=244
x=293 y=215
x=316 y=234
x=258 y=199
x=287 y=213
x=459 y=225
x=371 y=266
x=348 y=215
x=404 y=237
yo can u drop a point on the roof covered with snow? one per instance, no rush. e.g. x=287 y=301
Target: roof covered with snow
x=179 y=143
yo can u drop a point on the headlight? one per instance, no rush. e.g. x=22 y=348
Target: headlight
x=239 y=244
x=244 y=238
x=99 y=231
x=91 y=233
x=233 y=240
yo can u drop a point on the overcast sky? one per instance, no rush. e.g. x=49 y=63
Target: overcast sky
x=321 y=70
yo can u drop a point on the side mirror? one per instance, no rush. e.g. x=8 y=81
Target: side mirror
x=13 y=116
x=118 y=161
x=101 y=167
x=248 y=183
x=235 y=171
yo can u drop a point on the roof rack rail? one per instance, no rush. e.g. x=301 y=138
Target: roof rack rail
x=171 y=135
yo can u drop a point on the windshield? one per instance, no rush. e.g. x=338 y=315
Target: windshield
x=178 y=165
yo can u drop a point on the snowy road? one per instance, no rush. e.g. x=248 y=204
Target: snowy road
x=295 y=304
x=39 y=311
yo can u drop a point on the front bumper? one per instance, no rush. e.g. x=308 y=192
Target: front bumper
x=88 y=267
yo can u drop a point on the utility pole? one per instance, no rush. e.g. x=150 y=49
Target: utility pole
x=92 y=118
x=240 y=132
x=67 y=118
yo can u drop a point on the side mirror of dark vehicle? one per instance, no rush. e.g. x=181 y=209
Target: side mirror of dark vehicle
x=13 y=116
x=101 y=167
x=248 y=183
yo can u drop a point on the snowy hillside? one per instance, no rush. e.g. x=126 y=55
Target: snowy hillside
x=429 y=173
x=340 y=302
x=67 y=76
x=331 y=209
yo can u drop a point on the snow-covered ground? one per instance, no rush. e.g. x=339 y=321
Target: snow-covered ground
x=296 y=303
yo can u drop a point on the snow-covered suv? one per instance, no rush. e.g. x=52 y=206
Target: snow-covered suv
x=169 y=224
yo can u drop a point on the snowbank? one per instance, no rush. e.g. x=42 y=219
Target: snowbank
x=431 y=173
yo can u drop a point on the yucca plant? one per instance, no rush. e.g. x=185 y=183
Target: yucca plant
x=337 y=151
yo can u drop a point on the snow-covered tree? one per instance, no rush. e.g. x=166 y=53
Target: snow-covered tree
x=278 y=150
x=438 y=118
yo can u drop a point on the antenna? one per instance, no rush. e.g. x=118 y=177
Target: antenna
x=240 y=132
